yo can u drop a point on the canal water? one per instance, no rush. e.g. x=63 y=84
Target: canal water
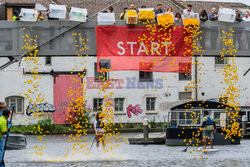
x=126 y=155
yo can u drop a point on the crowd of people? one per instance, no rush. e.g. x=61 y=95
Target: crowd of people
x=187 y=13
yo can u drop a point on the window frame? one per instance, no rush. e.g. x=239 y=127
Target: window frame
x=10 y=103
x=216 y=62
x=48 y=59
x=186 y=92
x=200 y=111
x=115 y=106
x=145 y=79
x=186 y=76
x=150 y=104
x=97 y=109
x=98 y=74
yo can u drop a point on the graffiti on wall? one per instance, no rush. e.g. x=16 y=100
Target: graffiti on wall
x=39 y=108
x=136 y=110
x=247 y=103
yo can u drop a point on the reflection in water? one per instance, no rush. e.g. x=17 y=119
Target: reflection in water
x=129 y=155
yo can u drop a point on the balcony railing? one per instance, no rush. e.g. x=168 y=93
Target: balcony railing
x=11 y=40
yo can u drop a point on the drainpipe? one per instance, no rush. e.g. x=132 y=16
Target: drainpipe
x=196 y=77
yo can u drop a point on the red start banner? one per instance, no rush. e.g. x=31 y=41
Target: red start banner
x=154 y=49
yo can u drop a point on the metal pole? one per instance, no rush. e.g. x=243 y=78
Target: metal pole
x=145 y=128
x=196 y=77
x=244 y=125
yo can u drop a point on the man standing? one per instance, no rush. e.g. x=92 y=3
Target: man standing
x=209 y=128
x=159 y=10
x=246 y=16
x=214 y=15
x=3 y=131
x=188 y=13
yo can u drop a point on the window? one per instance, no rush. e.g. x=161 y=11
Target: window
x=150 y=103
x=98 y=105
x=220 y=60
x=145 y=76
x=119 y=103
x=18 y=101
x=190 y=117
x=185 y=76
x=101 y=76
x=48 y=60
x=185 y=95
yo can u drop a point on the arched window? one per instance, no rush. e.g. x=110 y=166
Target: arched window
x=16 y=100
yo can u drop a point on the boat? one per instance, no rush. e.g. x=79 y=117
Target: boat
x=186 y=120
x=16 y=142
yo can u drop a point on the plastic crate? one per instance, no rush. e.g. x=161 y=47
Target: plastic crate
x=57 y=11
x=193 y=21
x=28 y=15
x=146 y=14
x=78 y=14
x=131 y=17
x=227 y=15
x=105 y=19
x=164 y=19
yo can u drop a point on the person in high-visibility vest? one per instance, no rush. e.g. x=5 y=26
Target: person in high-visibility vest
x=3 y=131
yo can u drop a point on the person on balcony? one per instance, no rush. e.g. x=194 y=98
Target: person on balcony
x=109 y=10
x=16 y=16
x=169 y=11
x=123 y=14
x=238 y=18
x=188 y=13
x=209 y=128
x=177 y=17
x=132 y=7
x=39 y=17
x=203 y=15
x=246 y=16
x=214 y=15
x=159 y=10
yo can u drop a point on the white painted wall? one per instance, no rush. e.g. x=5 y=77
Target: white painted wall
x=12 y=83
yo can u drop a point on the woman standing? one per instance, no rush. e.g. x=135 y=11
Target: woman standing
x=99 y=130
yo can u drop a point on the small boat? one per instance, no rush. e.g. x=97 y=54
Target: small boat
x=16 y=142
x=186 y=119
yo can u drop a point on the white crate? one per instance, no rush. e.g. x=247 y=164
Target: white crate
x=57 y=11
x=227 y=15
x=78 y=14
x=105 y=18
x=28 y=15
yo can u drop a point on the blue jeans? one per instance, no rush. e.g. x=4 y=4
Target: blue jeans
x=2 y=143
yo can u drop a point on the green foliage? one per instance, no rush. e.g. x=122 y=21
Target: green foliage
x=138 y=126
x=130 y=125
x=80 y=117
x=152 y=123
x=46 y=124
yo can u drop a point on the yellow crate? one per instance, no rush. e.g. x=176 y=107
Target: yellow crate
x=191 y=21
x=164 y=19
x=131 y=17
x=146 y=14
x=131 y=13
